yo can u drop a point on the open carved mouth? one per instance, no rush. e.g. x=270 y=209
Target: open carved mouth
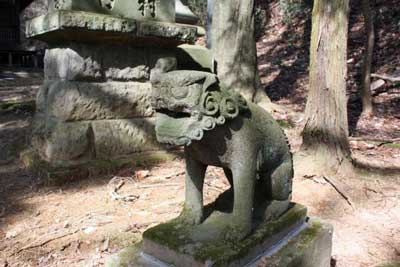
x=172 y=114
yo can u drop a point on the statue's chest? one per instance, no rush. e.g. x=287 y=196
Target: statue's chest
x=213 y=152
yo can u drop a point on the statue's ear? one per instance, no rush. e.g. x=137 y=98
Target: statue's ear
x=209 y=81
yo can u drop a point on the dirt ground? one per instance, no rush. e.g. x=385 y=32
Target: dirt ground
x=79 y=223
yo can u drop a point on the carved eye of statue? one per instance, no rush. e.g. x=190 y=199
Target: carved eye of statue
x=179 y=92
x=109 y=4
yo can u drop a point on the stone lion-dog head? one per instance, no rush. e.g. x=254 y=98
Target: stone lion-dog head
x=191 y=102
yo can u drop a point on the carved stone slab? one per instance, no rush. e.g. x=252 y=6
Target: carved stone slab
x=63 y=26
x=101 y=139
x=100 y=63
x=78 y=101
x=116 y=138
x=133 y=9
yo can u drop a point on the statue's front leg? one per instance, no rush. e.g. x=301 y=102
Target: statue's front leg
x=193 y=208
x=243 y=185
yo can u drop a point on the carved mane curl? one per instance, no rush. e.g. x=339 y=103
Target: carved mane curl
x=216 y=107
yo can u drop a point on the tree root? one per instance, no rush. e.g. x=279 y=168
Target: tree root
x=375 y=165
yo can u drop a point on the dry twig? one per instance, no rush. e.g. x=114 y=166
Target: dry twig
x=372 y=139
x=336 y=186
x=44 y=242
x=157 y=185
x=169 y=176
x=386 y=77
x=120 y=182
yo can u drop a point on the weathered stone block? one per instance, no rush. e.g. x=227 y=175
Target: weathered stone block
x=84 y=27
x=101 y=139
x=97 y=63
x=142 y=10
x=116 y=138
x=66 y=141
x=67 y=64
x=310 y=247
x=93 y=62
x=77 y=101
x=172 y=242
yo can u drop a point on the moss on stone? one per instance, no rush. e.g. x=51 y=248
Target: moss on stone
x=9 y=106
x=392 y=145
x=292 y=254
x=126 y=258
x=176 y=237
x=124 y=239
x=62 y=172
x=285 y=124
x=393 y=264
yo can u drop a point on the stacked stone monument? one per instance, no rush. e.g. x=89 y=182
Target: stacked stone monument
x=94 y=105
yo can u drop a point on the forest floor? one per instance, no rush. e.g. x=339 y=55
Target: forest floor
x=79 y=223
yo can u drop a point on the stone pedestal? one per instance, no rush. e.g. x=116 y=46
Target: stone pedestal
x=292 y=240
x=94 y=104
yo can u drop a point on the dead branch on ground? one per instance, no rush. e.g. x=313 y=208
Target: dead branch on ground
x=372 y=139
x=386 y=77
x=43 y=242
x=118 y=183
x=337 y=186
x=169 y=176
x=157 y=185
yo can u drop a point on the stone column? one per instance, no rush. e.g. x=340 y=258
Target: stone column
x=94 y=104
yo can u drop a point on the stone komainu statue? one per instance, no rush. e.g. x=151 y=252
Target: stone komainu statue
x=219 y=128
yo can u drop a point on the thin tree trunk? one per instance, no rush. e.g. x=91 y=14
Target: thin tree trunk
x=234 y=47
x=325 y=135
x=366 y=74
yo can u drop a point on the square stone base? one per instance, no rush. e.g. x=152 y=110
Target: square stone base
x=301 y=244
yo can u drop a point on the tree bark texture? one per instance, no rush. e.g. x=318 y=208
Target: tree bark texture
x=366 y=74
x=234 y=47
x=325 y=135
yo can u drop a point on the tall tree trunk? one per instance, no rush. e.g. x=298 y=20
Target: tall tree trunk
x=366 y=74
x=234 y=47
x=325 y=135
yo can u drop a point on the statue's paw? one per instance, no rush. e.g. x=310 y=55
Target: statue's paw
x=275 y=209
x=221 y=226
x=237 y=232
x=189 y=218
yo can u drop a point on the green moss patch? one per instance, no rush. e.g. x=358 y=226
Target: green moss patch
x=61 y=172
x=223 y=251
x=286 y=124
x=8 y=106
x=392 y=145
x=394 y=264
x=292 y=255
x=126 y=258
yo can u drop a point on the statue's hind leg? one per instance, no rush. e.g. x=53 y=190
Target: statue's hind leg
x=277 y=192
x=281 y=181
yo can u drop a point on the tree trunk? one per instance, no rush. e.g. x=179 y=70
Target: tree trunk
x=366 y=74
x=234 y=48
x=325 y=135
